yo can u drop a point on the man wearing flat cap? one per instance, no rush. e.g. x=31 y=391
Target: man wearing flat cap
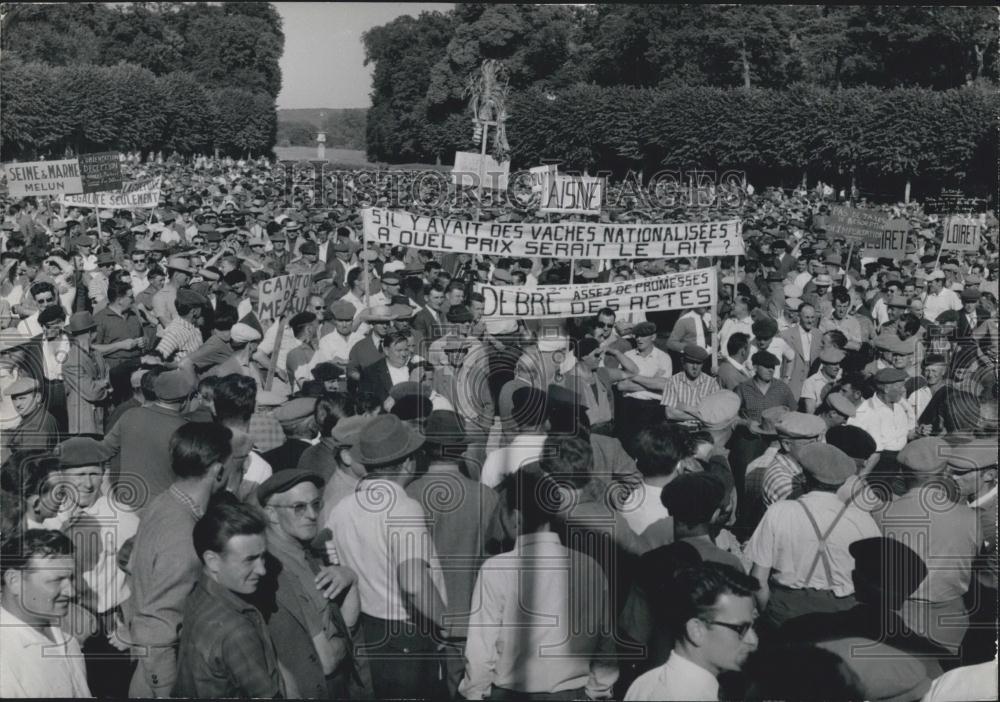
x=37 y=428
x=140 y=440
x=310 y=607
x=99 y=527
x=887 y=416
x=335 y=347
x=816 y=386
x=892 y=662
x=683 y=391
x=298 y=421
x=800 y=548
x=381 y=534
x=939 y=298
x=943 y=532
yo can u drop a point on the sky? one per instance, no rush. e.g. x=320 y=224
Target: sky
x=323 y=63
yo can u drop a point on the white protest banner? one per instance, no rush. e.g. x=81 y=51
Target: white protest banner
x=43 y=177
x=566 y=240
x=963 y=233
x=466 y=170
x=136 y=194
x=673 y=291
x=572 y=195
x=284 y=295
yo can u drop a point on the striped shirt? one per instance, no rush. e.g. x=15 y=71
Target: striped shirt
x=180 y=337
x=680 y=390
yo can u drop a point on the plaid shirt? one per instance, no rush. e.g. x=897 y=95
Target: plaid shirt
x=753 y=401
x=679 y=390
x=265 y=431
x=225 y=649
x=180 y=337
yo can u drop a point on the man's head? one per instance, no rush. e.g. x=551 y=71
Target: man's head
x=841 y=303
x=37 y=571
x=694 y=360
x=764 y=365
x=604 y=324
x=738 y=347
x=305 y=327
x=43 y=293
x=81 y=470
x=657 y=450
x=292 y=500
x=890 y=385
x=713 y=613
x=199 y=452
x=25 y=395
x=435 y=297
x=807 y=317
x=235 y=398
x=120 y=295
x=230 y=542
x=397 y=349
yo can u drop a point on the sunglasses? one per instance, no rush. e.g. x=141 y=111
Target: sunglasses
x=139 y=260
x=605 y=325
x=45 y=300
x=741 y=629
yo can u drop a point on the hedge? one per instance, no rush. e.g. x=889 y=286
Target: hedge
x=48 y=110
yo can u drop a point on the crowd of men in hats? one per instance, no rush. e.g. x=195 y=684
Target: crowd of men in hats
x=424 y=502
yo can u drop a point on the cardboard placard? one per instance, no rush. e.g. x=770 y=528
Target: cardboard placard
x=43 y=178
x=466 y=171
x=101 y=172
x=283 y=295
x=962 y=233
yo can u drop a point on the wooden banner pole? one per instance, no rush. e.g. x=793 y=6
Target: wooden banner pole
x=273 y=366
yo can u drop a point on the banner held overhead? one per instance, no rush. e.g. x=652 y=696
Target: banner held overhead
x=139 y=194
x=567 y=240
x=673 y=291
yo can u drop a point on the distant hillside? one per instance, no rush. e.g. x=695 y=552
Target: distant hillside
x=345 y=128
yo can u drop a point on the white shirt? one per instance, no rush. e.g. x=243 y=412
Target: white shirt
x=806 y=340
x=288 y=342
x=677 y=679
x=373 y=533
x=942 y=301
x=971 y=683
x=888 y=425
x=812 y=388
x=643 y=507
x=334 y=345
x=32 y=665
x=656 y=364
x=540 y=628
x=140 y=281
x=501 y=462
x=398 y=375
x=30 y=326
x=779 y=348
x=786 y=542
x=98 y=532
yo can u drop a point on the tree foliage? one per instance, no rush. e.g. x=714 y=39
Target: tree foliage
x=145 y=76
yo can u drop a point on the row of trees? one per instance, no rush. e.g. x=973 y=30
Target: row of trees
x=54 y=110
x=150 y=76
x=790 y=86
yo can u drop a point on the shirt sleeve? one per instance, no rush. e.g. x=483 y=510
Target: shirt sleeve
x=760 y=549
x=155 y=626
x=484 y=631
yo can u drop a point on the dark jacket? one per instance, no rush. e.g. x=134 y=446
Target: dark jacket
x=376 y=380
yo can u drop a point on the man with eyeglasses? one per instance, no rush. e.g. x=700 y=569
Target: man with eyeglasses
x=139 y=275
x=44 y=295
x=312 y=606
x=711 y=638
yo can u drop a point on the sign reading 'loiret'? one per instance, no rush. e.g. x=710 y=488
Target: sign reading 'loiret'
x=101 y=172
x=284 y=295
x=673 y=291
x=137 y=194
x=43 y=177
x=962 y=233
x=565 y=240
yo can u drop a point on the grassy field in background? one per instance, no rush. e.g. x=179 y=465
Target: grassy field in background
x=346 y=158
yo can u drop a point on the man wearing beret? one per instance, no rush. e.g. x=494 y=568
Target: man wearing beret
x=800 y=548
x=37 y=428
x=816 y=386
x=886 y=416
x=299 y=424
x=890 y=659
x=99 y=527
x=311 y=607
x=683 y=391
x=944 y=533
x=939 y=298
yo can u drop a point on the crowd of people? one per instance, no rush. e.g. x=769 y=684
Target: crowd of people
x=388 y=494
